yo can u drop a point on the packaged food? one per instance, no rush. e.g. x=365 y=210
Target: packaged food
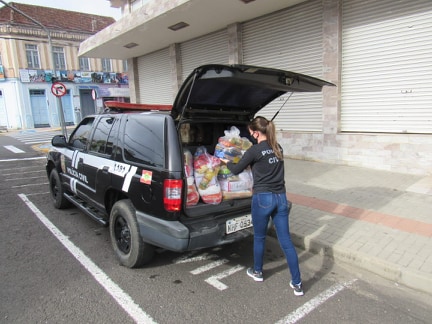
x=241 y=182
x=192 y=193
x=231 y=146
x=206 y=168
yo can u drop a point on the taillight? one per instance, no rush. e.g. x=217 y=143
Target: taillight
x=173 y=194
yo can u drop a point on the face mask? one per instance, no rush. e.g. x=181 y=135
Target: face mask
x=253 y=140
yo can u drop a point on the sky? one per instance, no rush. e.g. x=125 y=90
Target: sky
x=96 y=7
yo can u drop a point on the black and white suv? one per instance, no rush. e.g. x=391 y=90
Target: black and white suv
x=127 y=169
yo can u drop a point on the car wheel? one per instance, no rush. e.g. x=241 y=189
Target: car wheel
x=126 y=240
x=57 y=191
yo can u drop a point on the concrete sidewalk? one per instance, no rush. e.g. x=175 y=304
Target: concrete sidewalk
x=376 y=220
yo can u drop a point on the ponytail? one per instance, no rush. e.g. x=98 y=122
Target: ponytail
x=267 y=128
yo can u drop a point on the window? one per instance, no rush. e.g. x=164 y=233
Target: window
x=125 y=66
x=106 y=65
x=32 y=56
x=84 y=64
x=144 y=141
x=59 y=58
x=80 y=136
x=100 y=143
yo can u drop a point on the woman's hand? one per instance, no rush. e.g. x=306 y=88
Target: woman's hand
x=225 y=161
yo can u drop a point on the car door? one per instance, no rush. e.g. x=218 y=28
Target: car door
x=98 y=163
x=73 y=159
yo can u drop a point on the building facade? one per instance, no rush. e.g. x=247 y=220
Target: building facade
x=377 y=52
x=33 y=56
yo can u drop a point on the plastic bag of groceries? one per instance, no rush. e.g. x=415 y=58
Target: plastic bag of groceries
x=231 y=146
x=206 y=168
x=192 y=193
x=235 y=186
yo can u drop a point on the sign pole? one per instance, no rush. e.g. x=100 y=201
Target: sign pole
x=58 y=89
x=62 y=118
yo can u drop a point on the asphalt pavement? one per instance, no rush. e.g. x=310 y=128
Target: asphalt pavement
x=375 y=220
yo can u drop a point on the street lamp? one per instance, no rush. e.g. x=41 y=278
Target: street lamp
x=59 y=102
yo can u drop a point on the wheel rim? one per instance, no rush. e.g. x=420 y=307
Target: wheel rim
x=122 y=234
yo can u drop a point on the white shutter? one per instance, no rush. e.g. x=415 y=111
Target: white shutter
x=291 y=40
x=154 y=78
x=208 y=49
x=387 y=66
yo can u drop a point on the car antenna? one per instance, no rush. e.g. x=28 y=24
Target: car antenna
x=277 y=113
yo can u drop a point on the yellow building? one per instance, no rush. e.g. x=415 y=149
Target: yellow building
x=39 y=46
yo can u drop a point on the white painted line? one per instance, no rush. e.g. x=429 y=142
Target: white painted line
x=209 y=266
x=214 y=280
x=26 y=178
x=38 y=142
x=188 y=258
x=22 y=172
x=13 y=149
x=312 y=304
x=123 y=299
x=22 y=168
x=30 y=185
x=38 y=193
x=24 y=159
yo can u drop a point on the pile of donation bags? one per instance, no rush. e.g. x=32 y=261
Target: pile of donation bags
x=211 y=181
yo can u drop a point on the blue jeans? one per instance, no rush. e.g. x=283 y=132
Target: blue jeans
x=276 y=206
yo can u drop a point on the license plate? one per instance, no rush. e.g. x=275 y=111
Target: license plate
x=239 y=223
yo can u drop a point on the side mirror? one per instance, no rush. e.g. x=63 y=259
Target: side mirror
x=59 y=141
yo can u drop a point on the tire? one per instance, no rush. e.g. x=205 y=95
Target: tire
x=131 y=250
x=57 y=191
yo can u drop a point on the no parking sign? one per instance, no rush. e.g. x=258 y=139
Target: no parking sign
x=58 y=89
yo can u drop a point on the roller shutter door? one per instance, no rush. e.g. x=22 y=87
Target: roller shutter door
x=387 y=66
x=291 y=40
x=154 y=78
x=208 y=49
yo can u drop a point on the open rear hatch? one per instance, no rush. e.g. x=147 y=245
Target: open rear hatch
x=237 y=91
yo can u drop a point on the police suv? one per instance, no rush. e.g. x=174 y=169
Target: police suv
x=126 y=168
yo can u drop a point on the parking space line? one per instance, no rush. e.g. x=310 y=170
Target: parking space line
x=214 y=280
x=13 y=149
x=312 y=304
x=24 y=159
x=189 y=258
x=209 y=266
x=122 y=298
x=30 y=185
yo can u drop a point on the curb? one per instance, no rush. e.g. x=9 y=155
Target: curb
x=44 y=148
x=409 y=278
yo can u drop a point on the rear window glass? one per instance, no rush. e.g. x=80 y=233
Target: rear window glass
x=144 y=141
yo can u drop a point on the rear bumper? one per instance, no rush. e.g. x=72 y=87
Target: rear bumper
x=175 y=236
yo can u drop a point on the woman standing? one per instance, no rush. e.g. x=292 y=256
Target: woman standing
x=269 y=198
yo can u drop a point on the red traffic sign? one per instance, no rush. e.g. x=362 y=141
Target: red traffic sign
x=58 y=89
